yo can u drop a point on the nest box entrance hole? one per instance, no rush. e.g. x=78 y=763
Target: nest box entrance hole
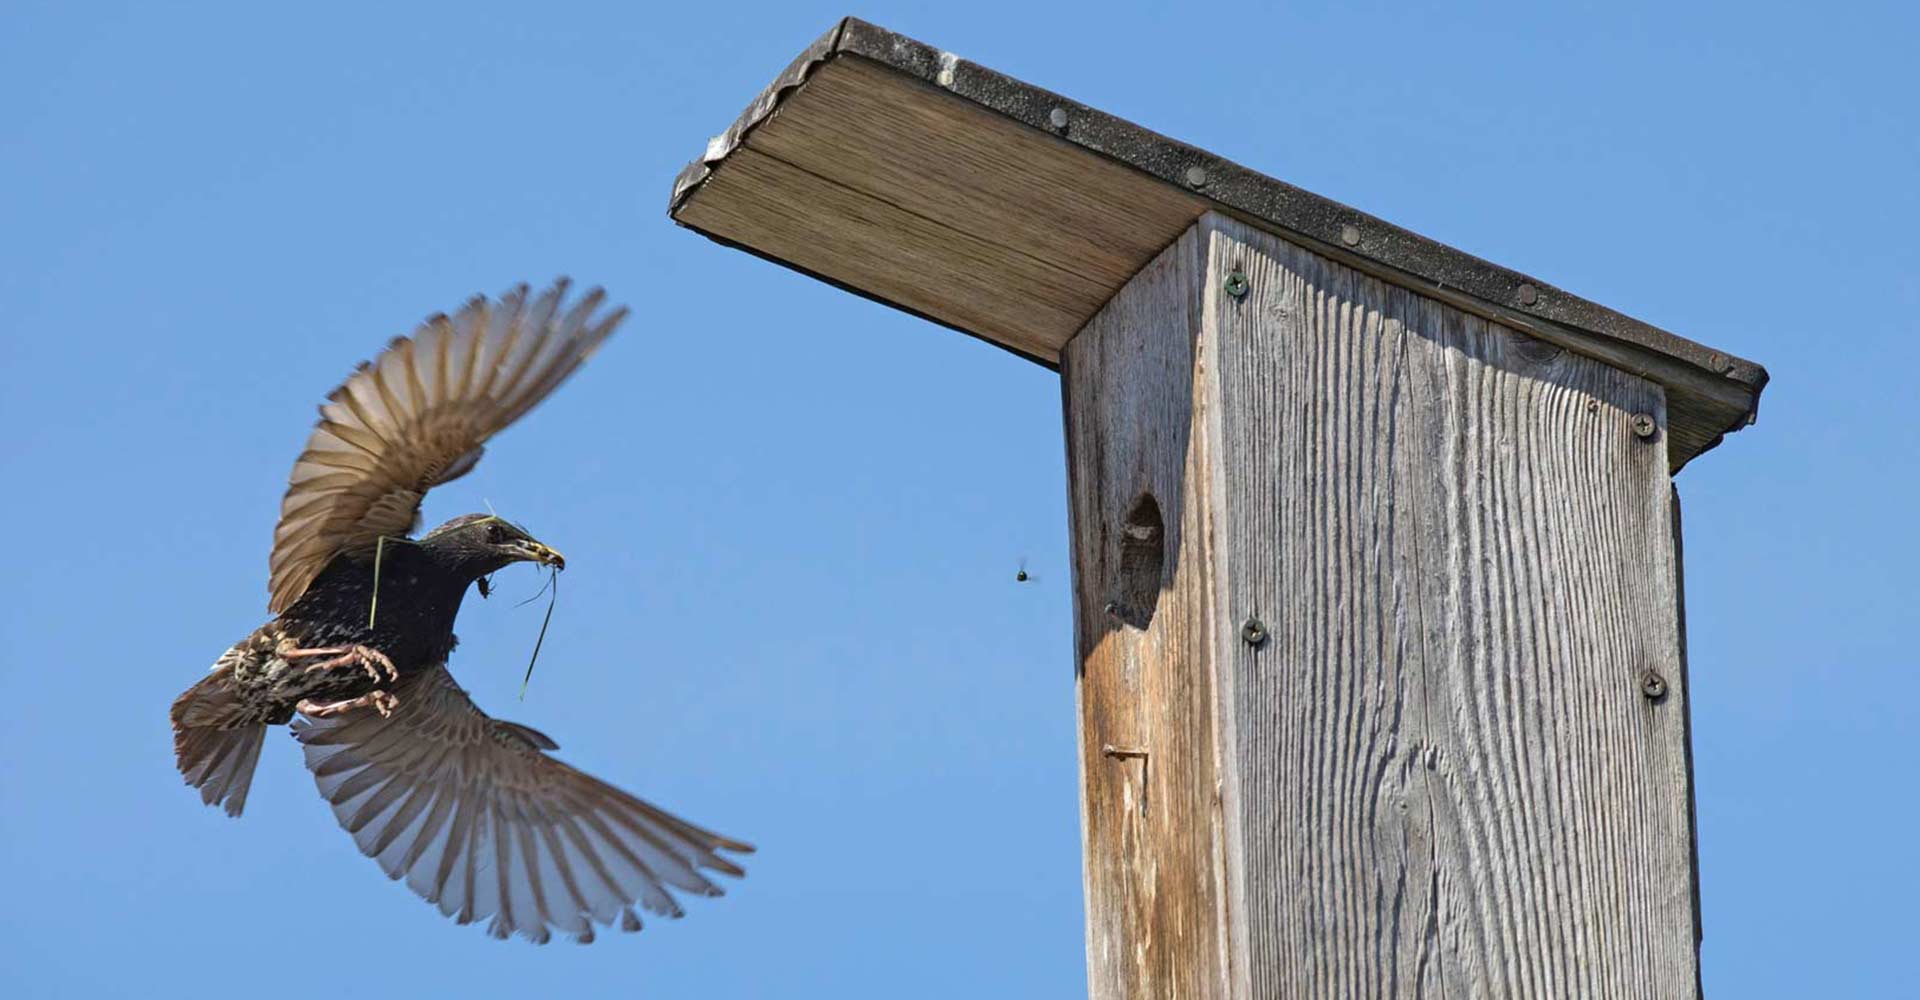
x=1143 y=555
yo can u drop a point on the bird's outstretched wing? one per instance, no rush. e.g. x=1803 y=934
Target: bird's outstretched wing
x=418 y=416
x=479 y=820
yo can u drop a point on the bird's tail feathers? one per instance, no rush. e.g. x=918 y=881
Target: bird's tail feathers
x=216 y=741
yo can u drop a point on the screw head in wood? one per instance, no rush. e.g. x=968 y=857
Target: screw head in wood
x=1529 y=295
x=1057 y=117
x=1643 y=425
x=1237 y=283
x=1350 y=235
x=1197 y=176
x=1253 y=632
x=1653 y=686
x=1593 y=406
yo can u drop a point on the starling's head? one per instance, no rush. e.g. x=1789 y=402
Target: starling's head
x=478 y=544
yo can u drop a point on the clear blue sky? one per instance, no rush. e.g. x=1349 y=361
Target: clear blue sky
x=793 y=516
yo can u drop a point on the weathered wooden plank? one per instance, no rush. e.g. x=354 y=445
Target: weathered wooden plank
x=914 y=146
x=1439 y=772
x=1075 y=201
x=1686 y=716
x=1451 y=779
x=1146 y=636
x=856 y=239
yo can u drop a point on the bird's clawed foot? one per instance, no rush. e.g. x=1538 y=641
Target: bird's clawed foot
x=380 y=701
x=366 y=658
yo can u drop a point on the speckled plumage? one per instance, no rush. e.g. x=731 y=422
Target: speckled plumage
x=469 y=810
x=421 y=586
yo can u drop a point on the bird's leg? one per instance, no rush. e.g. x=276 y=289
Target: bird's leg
x=380 y=701
x=365 y=657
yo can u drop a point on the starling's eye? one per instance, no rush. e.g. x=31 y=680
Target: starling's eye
x=496 y=534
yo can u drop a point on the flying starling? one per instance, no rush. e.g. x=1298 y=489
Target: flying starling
x=469 y=809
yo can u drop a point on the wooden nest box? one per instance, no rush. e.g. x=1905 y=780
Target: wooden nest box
x=1382 y=667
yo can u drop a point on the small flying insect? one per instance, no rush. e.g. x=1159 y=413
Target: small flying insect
x=1021 y=575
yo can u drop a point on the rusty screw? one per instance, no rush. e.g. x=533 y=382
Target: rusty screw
x=1254 y=632
x=1653 y=686
x=1237 y=283
x=1643 y=425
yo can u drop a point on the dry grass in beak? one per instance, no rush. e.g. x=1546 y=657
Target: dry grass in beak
x=553 y=596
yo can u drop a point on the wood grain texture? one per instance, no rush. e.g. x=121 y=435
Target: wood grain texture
x=1440 y=774
x=917 y=147
x=893 y=188
x=851 y=237
x=941 y=187
x=1149 y=758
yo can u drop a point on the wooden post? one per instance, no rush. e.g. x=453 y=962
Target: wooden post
x=1381 y=673
x=1406 y=691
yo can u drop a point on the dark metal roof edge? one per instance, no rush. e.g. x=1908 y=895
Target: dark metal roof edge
x=1271 y=203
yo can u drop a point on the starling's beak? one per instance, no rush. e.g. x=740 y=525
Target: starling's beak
x=532 y=551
